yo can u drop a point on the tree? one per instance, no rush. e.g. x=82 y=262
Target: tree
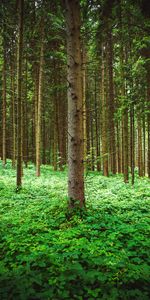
x=39 y=103
x=19 y=95
x=4 y=103
x=75 y=106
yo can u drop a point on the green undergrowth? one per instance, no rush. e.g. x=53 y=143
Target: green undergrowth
x=102 y=252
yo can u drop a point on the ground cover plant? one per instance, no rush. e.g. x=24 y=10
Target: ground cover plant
x=101 y=252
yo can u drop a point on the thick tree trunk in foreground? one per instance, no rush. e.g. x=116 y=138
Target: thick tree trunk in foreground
x=75 y=106
x=19 y=96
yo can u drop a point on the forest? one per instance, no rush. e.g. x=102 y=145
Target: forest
x=74 y=149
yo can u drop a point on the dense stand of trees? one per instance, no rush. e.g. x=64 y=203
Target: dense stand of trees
x=105 y=49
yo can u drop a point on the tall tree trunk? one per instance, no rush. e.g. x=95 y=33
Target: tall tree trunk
x=111 y=105
x=97 y=140
x=140 y=148
x=13 y=155
x=43 y=139
x=61 y=131
x=148 y=120
x=148 y=152
x=104 y=116
x=144 y=147
x=19 y=96
x=125 y=144
x=75 y=106
x=84 y=101
x=92 y=150
x=88 y=128
x=118 y=147
x=4 y=107
x=39 y=105
x=56 y=134
x=25 y=120
x=132 y=142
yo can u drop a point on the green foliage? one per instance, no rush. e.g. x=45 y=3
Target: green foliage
x=47 y=253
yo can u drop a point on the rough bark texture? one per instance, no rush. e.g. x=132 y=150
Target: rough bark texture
x=19 y=96
x=75 y=106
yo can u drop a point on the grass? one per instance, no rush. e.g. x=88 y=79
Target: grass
x=100 y=253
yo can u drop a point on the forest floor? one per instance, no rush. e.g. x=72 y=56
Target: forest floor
x=102 y=252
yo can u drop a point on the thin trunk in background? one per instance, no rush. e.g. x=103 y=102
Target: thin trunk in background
x=104 y=116
x=13 y=154
x=19 y=95
x=39 y=105
x=111 y=105
x=4 y=106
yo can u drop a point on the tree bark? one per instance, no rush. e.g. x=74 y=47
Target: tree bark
x=132 y=142
x=19 y=96
x=39 y=106
x=13 y=154
x=75 y=107
x=4 y=107
x=104 y=118
x=140 y=148
x=111 y=105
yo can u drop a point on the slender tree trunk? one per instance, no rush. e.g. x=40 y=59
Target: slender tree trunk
x=33 y=138
x=88 y=129
x=148 y=120
x=148 y=152
x=92 y=150
x=125 y=144
x=55 y=131
x=39 y=106
x=132 y=143
x=13 y=116
x=43 y=140
x=140 y=148
x=97 y=129
x=25 y=120
x=118 y=147
x=104 y=119
x=144 y=147
x=61 y=131
x=19 y=97
x=84 y=102
x=4 y=107
x=75 y=107
x=111 y=105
